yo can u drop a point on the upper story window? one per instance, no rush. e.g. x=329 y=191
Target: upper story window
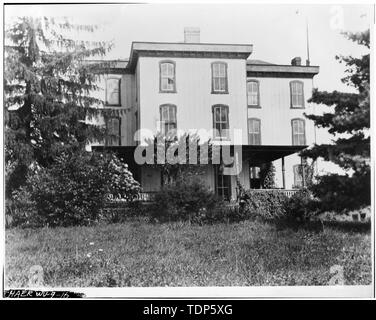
x=167 y=81
x=113 y=92
x=253 y=93
x=254 y=131
x=219 y=77
x=220 y=121
x=113 y=128
x=297 y=94
x=298 y=132
x=168 y=119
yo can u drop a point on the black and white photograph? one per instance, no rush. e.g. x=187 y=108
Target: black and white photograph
x=187 y=150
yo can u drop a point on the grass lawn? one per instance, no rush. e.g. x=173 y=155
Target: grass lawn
x=178 y=254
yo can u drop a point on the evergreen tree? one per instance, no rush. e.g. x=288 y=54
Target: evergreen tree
x=267 y=176
x=47 y=84
x=350 y=119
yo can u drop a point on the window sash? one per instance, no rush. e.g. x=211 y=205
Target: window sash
x=253 y=93
x=254 y=131
x=221 y=122
x=113 y=91
x=297 y=95
x=219 y=77
x=298 y=177
x=167 y=76
x=113 y=131
x=254 y=172
x=168 y=119
x=298 y=132
x=223 y=185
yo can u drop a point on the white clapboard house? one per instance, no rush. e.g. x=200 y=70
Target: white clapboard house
x=192 y=85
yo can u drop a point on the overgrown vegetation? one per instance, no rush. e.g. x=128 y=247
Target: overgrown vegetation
x=249 y=253
x=267 y=176
x=351 y=117
x=72 y=191
x=184 y=200
x=267 y=205
x=48 y=91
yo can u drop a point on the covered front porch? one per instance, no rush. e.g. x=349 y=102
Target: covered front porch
x=252 y=157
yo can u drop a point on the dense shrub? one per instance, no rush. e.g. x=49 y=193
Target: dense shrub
x=75 y=188
x=301 y=206
x=267 y=205
x=20 y=209
x=342 y=193
x=275 y=205
x=183 y=200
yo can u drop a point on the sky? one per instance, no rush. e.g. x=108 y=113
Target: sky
x=277 y=32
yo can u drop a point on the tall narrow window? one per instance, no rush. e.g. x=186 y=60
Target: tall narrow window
x=297 y=94
x=113 y=128
x=219 y=77
x=298 y=177
x=167 y=82
x=168 y=119
x=220 y=121
x=254 y=131
x=113 y=92
x=254 y=177
x=253 y=93
x=298 y=132
x=222 y=183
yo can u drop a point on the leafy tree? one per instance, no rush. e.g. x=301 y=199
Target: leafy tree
x=350 y=119
x=73 y=190
x=47 y=84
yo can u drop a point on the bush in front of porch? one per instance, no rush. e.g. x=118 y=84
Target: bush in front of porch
x=184 y=200
x=266 y=205
x=72 y=191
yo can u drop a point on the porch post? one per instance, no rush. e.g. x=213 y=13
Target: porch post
x=303 y=172
x=283 y=173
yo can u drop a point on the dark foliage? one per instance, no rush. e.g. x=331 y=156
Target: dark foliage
x=301 y=206
x=73 y=190
x=349 y=192
x=183 y=200
x=351 y=116
x=267 y=205
x=48 y=86
x=267 y=176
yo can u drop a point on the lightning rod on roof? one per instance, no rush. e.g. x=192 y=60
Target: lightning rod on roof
x=308 y=60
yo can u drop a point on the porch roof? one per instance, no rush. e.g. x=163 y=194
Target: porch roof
x=261 y=154
x=256 y=154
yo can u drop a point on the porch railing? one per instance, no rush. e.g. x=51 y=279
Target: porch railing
x=148 y=196
x=145 y=196
x=287 y=192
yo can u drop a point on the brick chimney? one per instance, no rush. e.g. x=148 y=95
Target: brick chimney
x=192 y=35
x=297 y=61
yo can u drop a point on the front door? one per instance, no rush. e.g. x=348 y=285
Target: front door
x=254 y=177
x=222 y=184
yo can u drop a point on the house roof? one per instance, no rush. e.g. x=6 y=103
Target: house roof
x=177 y=49
x=262 y=68
x=258 y=62
x=255 y=67
x=275 y=70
